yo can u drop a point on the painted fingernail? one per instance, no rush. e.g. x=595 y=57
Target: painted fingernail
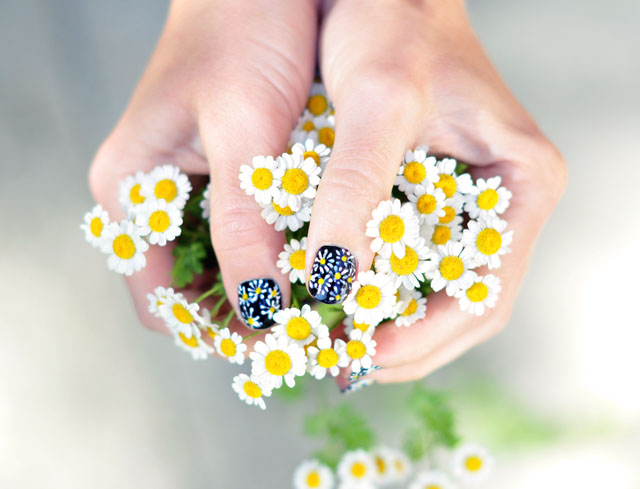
x=332 y=274
x=259 y=299
x=363 y=372
x=358 y=385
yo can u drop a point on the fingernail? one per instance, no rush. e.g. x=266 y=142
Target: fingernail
x=363 y=372
x=332 y=274
x=358 y=385
x=259 y=299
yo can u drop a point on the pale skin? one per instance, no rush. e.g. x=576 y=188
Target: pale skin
x=229 y=79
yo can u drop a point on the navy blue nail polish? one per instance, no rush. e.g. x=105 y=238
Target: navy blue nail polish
x=332 y=274
x=259 y=300
x=363 y=372
x=358 y=385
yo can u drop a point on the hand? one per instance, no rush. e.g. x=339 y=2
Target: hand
x=227 y=81
x=402 y=74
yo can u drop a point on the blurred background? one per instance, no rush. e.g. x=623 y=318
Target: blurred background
x=88 y=398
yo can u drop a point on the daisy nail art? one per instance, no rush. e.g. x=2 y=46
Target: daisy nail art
x=159 y=222
x=94 y=223
x=471 y=463
x=360 y=348
x=276 y=360
x=332 y=274
x=363 y=372
x=125 y=247
x=489 y=240
x=230 y=346
x=327 y=358
x=482 y=293
x=394 y=225
x=299 y=180
x=451 y=268
x=372 y=298
x=416 y=169
x=261 y=179
x=167 y=182
x=259 y=300
x=250 y=390
x=311 y=474
x=487 y=198
x=292 y=260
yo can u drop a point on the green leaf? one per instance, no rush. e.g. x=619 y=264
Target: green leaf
x=461 y=168
x=435 y=415
x=295 y=392
x=189 y=262
x=415 y=445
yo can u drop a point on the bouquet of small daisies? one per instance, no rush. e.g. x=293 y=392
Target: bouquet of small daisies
x=435 y=233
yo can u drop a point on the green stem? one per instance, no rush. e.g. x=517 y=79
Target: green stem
x=263 y=331
x=216 y=308
x=227 y=319
x=208 y=293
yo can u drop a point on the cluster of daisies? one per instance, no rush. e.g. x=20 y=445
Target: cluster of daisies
x=387 y=467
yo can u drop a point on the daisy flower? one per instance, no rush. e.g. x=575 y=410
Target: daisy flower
x=317 y=152
x=304 y=129
x=394 y=225
x=291 y=261
x=169 y=183
x=451 y=268
x=415 y=309
x=408 y=270
x=452 y=211
x=158 y=221
x=357 y=467
x=432 y=479
x=450 y=182
x=205 y=203
x=94 y=223
x=261 y=179
x=297 y=325
x=207 y=326
x=400 y=466
x=360 y=349
x=125 y=247
x=250 y=390
x=275 y=360
x=299 y=180
x=371 y=299
x=194 y=344
x=416 y=169
x=157 y=298
x=130 y=191
x=285 y=217
x=488 y=239
x=324 y=358
x=441 y=234
x=350 y=325
x=471 y=463
x=230 y=346
x=483 y=292
x=311 y=474
x=324 y=130
x=318 y=103
x=179 y=314
x=383 y=459
x=429 y=202
x=487 y=198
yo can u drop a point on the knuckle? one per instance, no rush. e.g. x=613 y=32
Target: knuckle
x=357 y=181
x=236 y=222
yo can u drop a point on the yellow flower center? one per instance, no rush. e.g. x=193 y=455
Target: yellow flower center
x=295 y=181
x=159 y=221
x=166 y=189
x=313 y=155
x=358 y=470
x=368 y=297
x=487 y=199
x=426 y=204
x=252 y=389
x=327 y=358
x=124 y=247
x=277 y=362
x=326 y=136
x=391 y=229
x=317 y=104
x=212 y=332
x=298 y=328
x=190 y=342
x=451 y=267
x=488 y=241
x=261 y=178
x=382 y=466
x=297 y=259
x=477 y=292
x=399 y=465
x=414 y=172
x=449 y=214
x=356 y=349
x=441 y=235
x=433 y=487
x=406 y=265
x=313 y=479
x=283 y=211
x=182 y=314
x=228 y=347
x=95 y=226
x=134 y=195
x=448 y=185
x=473 y=463
x=411 y=308
x=308 y=126
x=364 y=327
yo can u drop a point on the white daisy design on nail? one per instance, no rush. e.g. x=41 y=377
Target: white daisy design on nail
x=487 y=198
x=125 y=247
x=409 y=270
x=372 y=298
x=350 y=325
x=415 y=309
x=230 y=346
x=130 y=191
x=292 y=260
x=325 y=358
x=297 y=325
x=451 y=268
x=429 y=202
x=357 y=467
x=482 y=293
x=167 y=182
x=194 y=344
x=360 y=348
x=471 y=463
x=299 y=180
x=250 y=390
x=94 y=223
x=205 y=203
x=158 y=221
x=432 y=479
x=285 y=217
x=179 y=314
x=449 y=181
x=318 y=102
x=416 y=169
x=275 y=360
x=311 y=474
x=261 y=179
x=158 y=297
x=488 y=239
x=319 y=153
x=394 y=225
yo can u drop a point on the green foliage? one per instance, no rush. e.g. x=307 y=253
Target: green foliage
x=296 y=392
x=188 y=263
x=461 y=168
